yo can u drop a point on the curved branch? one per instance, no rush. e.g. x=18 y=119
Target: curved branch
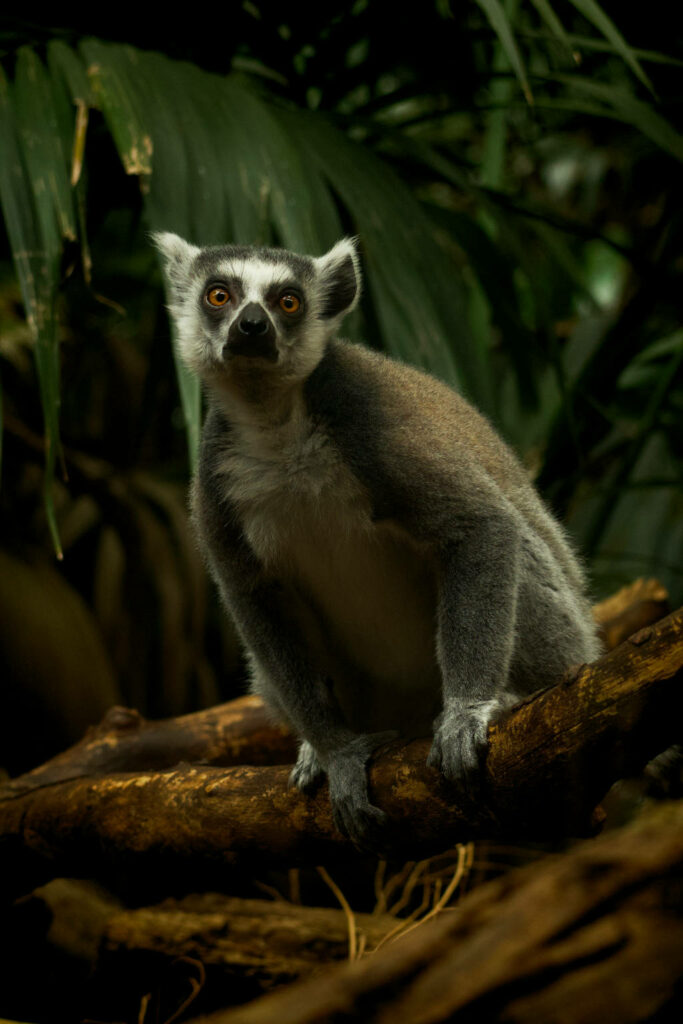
x=239 y=732
x=243 y=732
x=549 y=762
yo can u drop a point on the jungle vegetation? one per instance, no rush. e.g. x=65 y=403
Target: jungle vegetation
x=512 y=169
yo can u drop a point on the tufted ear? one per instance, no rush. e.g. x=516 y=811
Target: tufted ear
x=177 y=255
x=339 y=278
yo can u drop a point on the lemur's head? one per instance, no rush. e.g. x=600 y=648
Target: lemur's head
x=254 y=308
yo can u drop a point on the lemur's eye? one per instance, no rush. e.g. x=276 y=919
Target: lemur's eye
x=290 y=303
x=217 y=296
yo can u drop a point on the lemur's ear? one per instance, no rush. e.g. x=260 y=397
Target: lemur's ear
x=177 y=254
x=339 y=277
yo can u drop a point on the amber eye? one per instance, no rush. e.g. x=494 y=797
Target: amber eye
x=290 y=303
x=217 y=296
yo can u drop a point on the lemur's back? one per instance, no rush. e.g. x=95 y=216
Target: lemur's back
x=376 y=405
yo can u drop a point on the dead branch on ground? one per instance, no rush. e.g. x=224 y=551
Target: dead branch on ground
x=595 y=935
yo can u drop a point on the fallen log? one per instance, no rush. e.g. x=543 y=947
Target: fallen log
x=243 y=732
x=97 y=960
x=549 y=763
x=594 y=935
x=269 y=941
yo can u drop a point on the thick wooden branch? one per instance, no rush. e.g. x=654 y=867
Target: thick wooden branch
x=242 y=731
x=548 y=765
x=593 y=936
x=634 y=607
x=239 y=732
x=269 y=941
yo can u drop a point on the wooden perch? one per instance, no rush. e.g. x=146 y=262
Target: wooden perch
x=269 y=941
x=239 y=732
x=242 y=731
x=593 y=936
x=548 y=765
x=635 y=606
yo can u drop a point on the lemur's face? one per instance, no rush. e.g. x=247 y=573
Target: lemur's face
x=267 y=310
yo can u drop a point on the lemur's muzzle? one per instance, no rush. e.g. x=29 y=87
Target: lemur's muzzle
x=252 y=335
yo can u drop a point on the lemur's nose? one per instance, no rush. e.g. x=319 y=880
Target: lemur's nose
x=253 y=320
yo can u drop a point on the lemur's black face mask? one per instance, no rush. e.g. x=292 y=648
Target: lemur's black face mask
x=252 y=335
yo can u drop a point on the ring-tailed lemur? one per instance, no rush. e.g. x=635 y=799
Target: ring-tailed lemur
x=386 y=561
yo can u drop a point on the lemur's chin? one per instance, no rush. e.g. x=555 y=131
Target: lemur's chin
x=256 y=349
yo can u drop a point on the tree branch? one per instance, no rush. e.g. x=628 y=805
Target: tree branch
x=595 y=935
x=239 y=732
x=548 y=765
x=243 y=732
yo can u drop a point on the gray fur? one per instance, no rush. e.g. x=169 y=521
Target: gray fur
x=382 y=552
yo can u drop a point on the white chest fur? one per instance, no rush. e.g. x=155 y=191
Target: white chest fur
x=365 y=591
x=280 y=476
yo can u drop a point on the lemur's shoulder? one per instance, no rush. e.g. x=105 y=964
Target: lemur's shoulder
x=372 y=399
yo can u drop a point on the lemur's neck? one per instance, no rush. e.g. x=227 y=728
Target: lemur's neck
x=251 y=397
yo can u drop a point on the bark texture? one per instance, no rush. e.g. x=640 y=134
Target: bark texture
x=239 y=732
x=548 y=765
x=271 y=941
x=243 y=732
x=595 y=935
x=632 y=608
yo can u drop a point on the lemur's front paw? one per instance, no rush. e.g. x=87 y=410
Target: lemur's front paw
x=459 y=745
x=308 y=771
x=354 y=816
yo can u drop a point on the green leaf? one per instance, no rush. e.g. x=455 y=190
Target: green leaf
x=625 y=107
x=20 y=216
x=595 y=14
x=554 y=24
x=46 y=132
x=494 y=270
x=579 y=42
x=36 y=258
x=62 y=58
x=644 y=534
x=147 y=112
x=119 y=104
x=644 y=370
x=501 y=89
x=224 y=168
x=186 y=192
x=272 y=157
x=644 y=433
x=421 y=314
x=500 y=24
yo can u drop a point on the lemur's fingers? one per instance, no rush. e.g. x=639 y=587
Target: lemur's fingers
x=354 y=816
x=307 y=773
x=459 y=746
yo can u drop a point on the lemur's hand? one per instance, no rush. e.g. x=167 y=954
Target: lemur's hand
x=459 y=745
x=346 y=767
x=353 y=814
x=308 y=771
